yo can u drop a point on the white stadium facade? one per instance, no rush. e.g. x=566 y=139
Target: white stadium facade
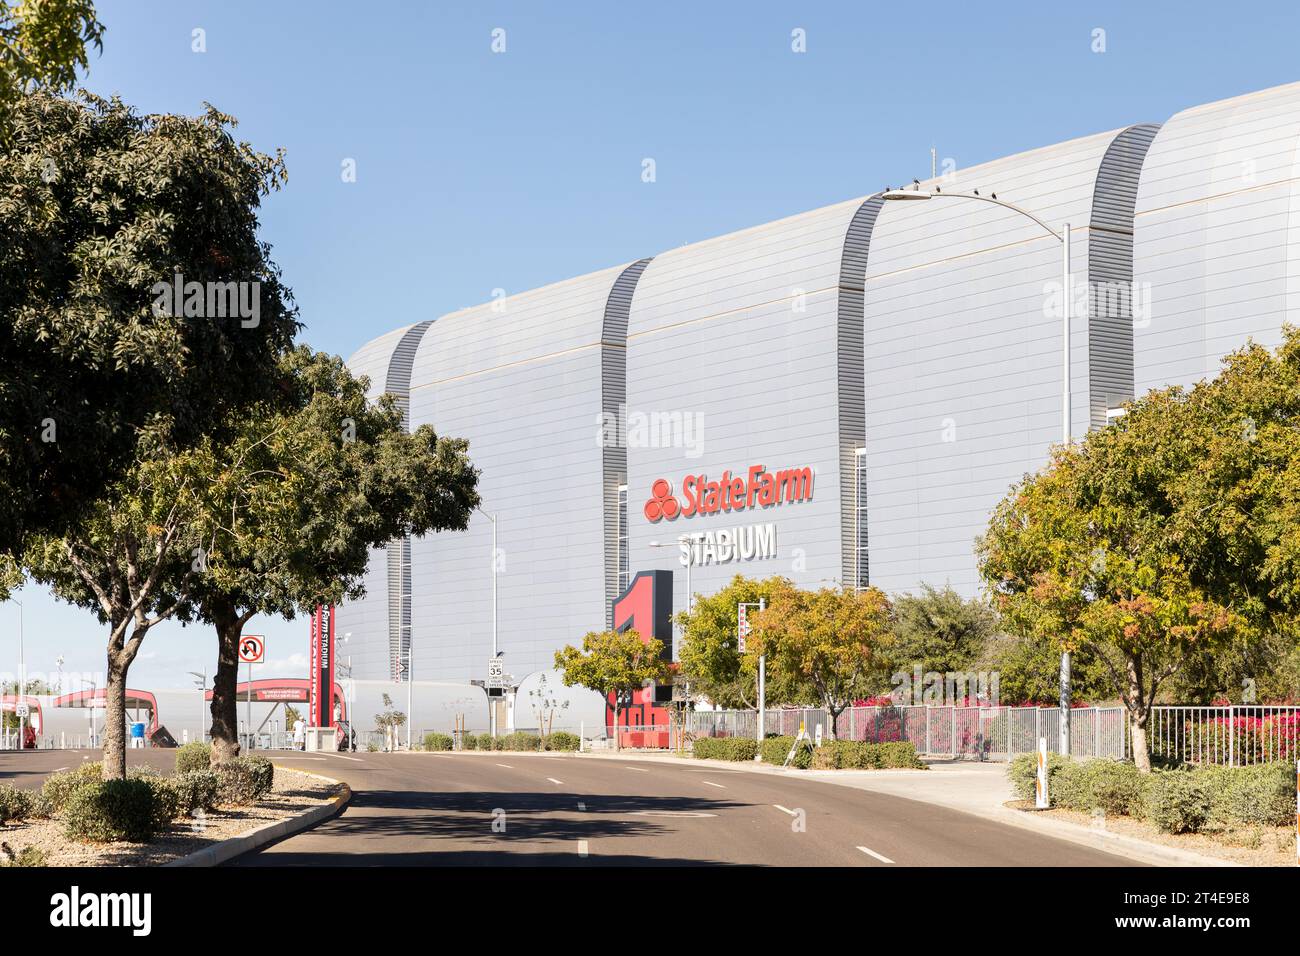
x=840 y=397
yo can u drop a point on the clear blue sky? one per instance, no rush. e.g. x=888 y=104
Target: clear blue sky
x=478 y=170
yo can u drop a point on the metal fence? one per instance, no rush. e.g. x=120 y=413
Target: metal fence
x=1235 y=736
x=988 y=733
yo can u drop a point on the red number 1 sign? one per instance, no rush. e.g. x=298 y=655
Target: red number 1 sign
x=646 y=607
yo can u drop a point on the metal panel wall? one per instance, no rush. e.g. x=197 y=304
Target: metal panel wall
x=963 y=356
x=739 y=337
x=522 y=379
x=378 y=620
x=1217 y=234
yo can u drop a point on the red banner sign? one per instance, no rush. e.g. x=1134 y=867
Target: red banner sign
x=321 y=692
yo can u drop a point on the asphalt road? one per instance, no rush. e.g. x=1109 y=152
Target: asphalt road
x=440 y=810
x=510 y=809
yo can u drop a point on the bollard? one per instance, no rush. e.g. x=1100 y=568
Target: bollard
x=1041 y=800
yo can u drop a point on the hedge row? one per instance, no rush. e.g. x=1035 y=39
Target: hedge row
x=831 y=755
x=725 y=748
x=1184 y=800
x=560 y=740
x=862 y=755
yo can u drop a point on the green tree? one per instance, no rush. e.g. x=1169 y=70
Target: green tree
x=133 y=560
x=710 y=658
x=835 y=642
x=42 y=44
x=306 y=487
x=1029 y=672
x=1165 y=537
x=97 y=206
x=939 y=630
x=612 y=662
x=390 y=721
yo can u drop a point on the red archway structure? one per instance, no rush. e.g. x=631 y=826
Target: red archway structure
x=135 y=699
x=9 y=702
x=282 y=690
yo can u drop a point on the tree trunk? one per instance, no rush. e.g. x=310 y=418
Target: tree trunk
x=114 y=767
x=1140 y=713
x=225 y=706
x=1141 y=750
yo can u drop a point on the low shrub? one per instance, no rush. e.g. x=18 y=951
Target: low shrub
x=196 y=790
x=467 y=741
x=774 y=750
x=562 y=740
x=865 y=755
x=520 y=741
x=195 y=755
x=899 y=755
x=725 y=748
x=244 y=780
x=485 y=742
x=1177 y=801
x=1023 y=772
x=1258 y=795
x=15 y=804
x=434 y=741
x=1113 y=786
x=27 y=856
x=111 y=810
x=59 y=787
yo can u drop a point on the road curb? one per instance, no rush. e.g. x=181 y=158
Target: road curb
x=1133 y=848
x=269 y=832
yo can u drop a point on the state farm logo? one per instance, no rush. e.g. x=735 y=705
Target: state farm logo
x=757 y=488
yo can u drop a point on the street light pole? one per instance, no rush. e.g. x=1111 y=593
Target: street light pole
x=492 y=706
x=1063 y=237
x=22 y=679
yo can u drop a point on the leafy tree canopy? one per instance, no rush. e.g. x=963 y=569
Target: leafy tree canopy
x=42 y=43
x=98 y=206
x=1169 y=534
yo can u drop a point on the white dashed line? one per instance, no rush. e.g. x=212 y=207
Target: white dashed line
x=506 y=765
x=58 y=770
x=637 y=769
x=582 y=848
x=553 y=780
x=870 y=852
x=341 y=757
x=710 y=783
x=785 y=809
x=581 y=805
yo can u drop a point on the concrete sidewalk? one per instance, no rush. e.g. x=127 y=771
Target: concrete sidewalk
x=981 y=789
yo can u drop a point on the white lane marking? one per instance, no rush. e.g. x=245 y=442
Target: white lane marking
x=321 y=759
x=581 y=805
x=553 y=780
x=58 y=769
x=785 y=809
x=506 y=765
x=341 y=757
x=637 y=769
x=870 y=852
x=710 y=783
x=582 y=848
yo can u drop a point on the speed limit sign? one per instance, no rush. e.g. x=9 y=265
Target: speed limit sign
x=252 y=648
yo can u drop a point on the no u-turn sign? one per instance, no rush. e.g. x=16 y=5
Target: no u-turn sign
x=252 y=648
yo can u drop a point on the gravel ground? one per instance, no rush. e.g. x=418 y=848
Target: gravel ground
x=1249 y=846
x=292 y=793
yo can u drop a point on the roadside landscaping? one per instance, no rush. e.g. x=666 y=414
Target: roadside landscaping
x=831 y=755
x=78 y=819
x=1245 y=814
x=560 y=740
